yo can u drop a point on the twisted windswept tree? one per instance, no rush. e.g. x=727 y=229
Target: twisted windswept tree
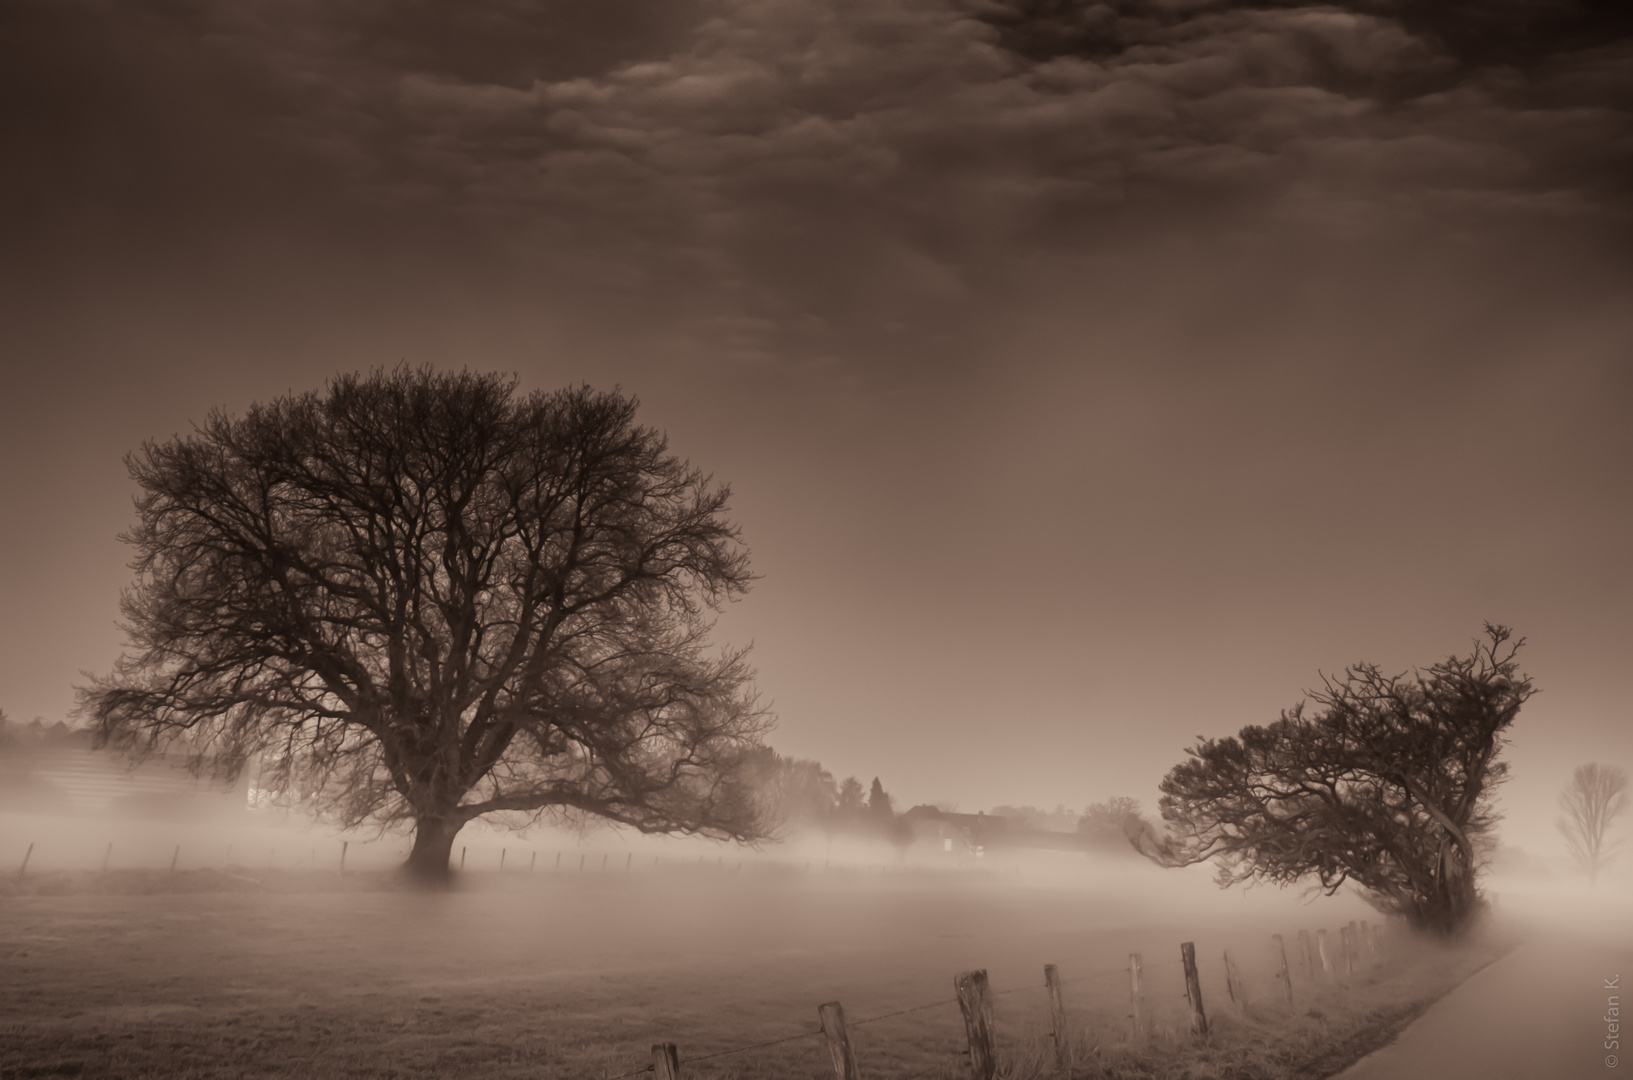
x=1387 y=784
x=424 y=597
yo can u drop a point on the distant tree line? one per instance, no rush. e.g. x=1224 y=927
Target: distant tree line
x=800 y=795
x=1110 y=826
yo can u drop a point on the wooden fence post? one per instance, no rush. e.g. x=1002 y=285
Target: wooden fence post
x=1057 y=1011
x=1284 y=975
x=1367 y=940
x=1134 y=993
x=839 y=1040
x=173 y=859
x=971 y=987
x=1327 y=972
x=106 y=855
x=558 y=862
x=628 y=859
x=344 y=844
x=23 y=869
x=581 y=862
x=502 y=852
x=665 y=1061
x=1233 y=985
x=1306 y=957
x=533 y=862
x=462 y=858
x=1193 y=987
x=1346 y=939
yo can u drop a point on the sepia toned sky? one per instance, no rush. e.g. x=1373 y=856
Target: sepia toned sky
x=1090 y=377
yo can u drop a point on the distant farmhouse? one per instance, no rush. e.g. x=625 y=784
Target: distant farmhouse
x=978 y=834
x=52 y=768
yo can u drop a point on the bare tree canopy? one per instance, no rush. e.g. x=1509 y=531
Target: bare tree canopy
x=1387 y=786
x=424 y=597
x=1595 y=797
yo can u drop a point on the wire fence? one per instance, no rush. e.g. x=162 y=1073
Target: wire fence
x=852 y=1024
x=138 y=845
x=1149 y=992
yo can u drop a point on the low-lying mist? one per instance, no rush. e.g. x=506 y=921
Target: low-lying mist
x=588 y=946
x=211 y=835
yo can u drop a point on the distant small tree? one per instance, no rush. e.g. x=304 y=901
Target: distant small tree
x=1594 y=799
x=879 y=802
x=423 y=598
x=1113 y=825
x=882 y=820
x=851 y=800
x=799 y=793
x=1387 y=786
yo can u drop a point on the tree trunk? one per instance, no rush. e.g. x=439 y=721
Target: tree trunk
x=433 y=849
x=1450 y=904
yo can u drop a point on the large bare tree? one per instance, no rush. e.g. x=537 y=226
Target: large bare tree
x=1388 y=786
x=423 y=597
x=1595 y=797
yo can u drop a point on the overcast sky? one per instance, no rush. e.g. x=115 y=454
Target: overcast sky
x=1089 y=377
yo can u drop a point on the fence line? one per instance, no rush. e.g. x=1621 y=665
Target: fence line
x=333 y=850
x=482 y=855
x=1373 y=940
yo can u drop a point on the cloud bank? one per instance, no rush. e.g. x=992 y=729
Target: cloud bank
x=788 y=175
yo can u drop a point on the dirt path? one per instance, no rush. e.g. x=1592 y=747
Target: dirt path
x=1536 y=1014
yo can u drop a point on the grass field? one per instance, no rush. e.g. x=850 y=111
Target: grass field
x=251 y=974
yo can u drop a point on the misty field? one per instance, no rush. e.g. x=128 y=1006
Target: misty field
x=577 y=975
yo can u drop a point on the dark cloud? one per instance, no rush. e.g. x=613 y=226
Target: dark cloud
x=802 y=164
x=1472 y=32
